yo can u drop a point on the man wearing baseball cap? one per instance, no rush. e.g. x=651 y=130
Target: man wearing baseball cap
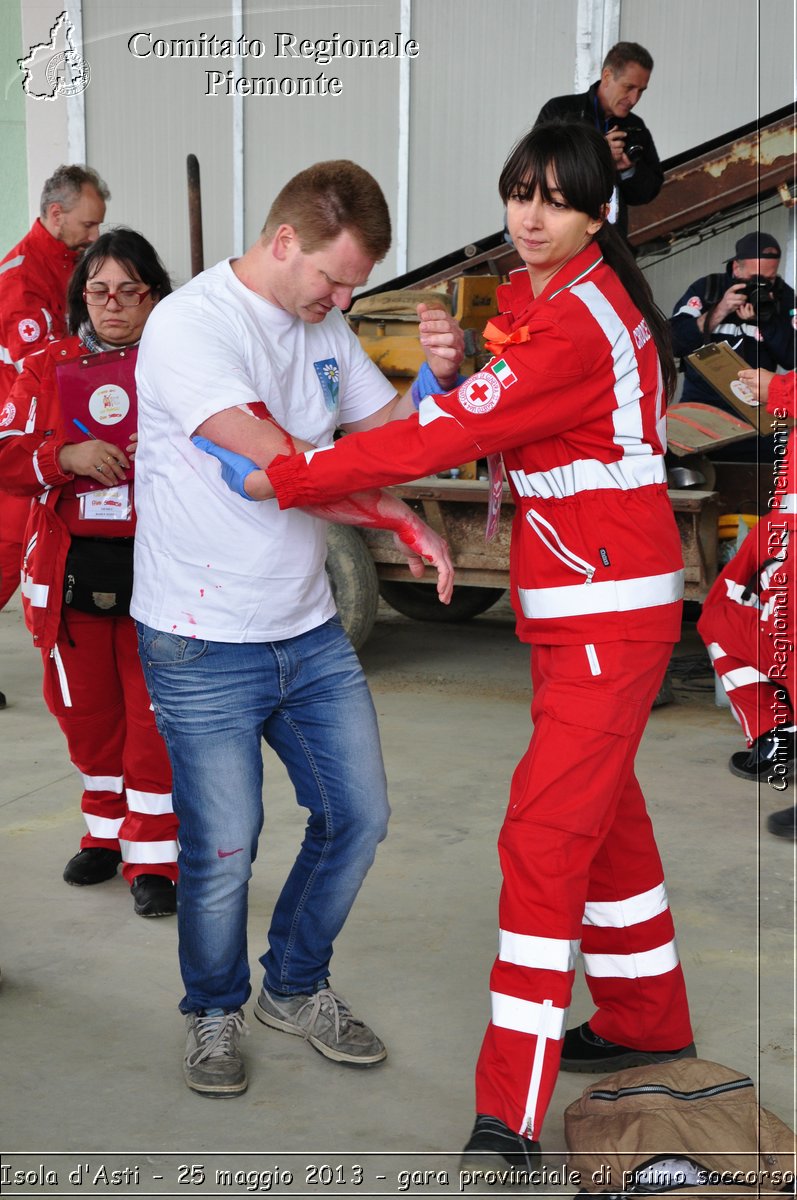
x=747 y=305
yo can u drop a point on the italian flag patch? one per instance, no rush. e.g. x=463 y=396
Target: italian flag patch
x=503 y=373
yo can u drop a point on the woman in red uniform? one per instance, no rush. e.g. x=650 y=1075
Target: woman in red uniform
x=575 y=398
x=93 y=683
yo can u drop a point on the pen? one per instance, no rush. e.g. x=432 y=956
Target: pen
x=83 y=429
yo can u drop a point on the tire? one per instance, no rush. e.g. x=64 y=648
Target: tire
x=355 y=586
x=419 y=600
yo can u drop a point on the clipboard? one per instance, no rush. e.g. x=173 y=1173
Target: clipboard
x=99 y=392
x=719 y=364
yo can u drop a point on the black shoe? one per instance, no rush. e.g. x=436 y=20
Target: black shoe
x=494 y=1147
x=587 y=1053
x=772 y=754
x=95 y=864
x=154 y=896
x=2 y=699
x=784 y=823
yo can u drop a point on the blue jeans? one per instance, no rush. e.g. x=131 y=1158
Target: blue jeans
x=308 y=698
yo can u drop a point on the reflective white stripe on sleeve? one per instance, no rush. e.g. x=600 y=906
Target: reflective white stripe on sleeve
x=62 y=680
x=37 y=593
x=154 y=804
x=742 y=677
x=686 y=311
x=587 y=474
x=736 y=592
x=526 y=1016
x=632 y=966
x=542 y=953
x=12 y=262
x=619 y=914
x=103 y=827
x=148 y=852
x=429 y=410
x=39 y=475
x=611 y=595
x=308 y=454
x=715 y=651
x=103 y=783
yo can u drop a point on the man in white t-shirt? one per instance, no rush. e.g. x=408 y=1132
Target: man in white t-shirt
x=238 y=632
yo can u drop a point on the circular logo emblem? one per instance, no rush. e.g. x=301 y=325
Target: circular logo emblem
x=68 y=73
x=695 y=302
x=7 y=415
x=742 y=392
x=29 y=330
x=480 y=393
x=109 y=404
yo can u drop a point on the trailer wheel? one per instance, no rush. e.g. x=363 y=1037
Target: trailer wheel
x=355 y=586
x=419 y=600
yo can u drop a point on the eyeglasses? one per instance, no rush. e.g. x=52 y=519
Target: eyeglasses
x=128 y=295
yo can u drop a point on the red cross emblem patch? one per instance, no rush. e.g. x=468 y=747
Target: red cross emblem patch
x=29 y=330
x=480 y=393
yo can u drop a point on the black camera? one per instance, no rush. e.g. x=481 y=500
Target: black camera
x=759 y=292
x=634 y=142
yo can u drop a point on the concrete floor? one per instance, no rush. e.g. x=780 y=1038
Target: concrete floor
x=92 y=1040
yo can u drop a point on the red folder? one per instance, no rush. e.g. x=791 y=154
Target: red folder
x=98 y=395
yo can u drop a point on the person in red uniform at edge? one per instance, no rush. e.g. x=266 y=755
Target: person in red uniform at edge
x=93 y=682
x=33 y=280
x=575 y=398
x=748 y=618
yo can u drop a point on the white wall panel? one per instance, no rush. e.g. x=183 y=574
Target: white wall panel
x=286 y=133
x=145 y=115
x=486 y=71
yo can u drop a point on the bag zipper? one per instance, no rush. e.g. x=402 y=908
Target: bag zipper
x=733 y=1085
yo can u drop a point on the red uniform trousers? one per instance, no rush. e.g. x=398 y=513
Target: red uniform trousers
x=13 y=519
x=748 y=625
x=581 y=870
x=94 y=686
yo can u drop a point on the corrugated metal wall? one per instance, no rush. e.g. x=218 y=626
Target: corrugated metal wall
x=481 y=76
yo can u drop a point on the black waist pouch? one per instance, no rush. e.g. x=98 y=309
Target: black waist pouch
x=98 y=578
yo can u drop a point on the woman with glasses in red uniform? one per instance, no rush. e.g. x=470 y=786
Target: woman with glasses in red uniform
x=77 y=575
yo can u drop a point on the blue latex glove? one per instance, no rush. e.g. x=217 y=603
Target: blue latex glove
x=234 y=467
x=425 y=384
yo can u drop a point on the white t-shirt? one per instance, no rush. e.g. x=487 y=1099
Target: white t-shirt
x=208 y=563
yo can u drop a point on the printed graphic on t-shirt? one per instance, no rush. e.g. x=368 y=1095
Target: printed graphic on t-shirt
x=328 y=373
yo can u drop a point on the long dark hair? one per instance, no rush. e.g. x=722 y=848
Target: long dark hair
x=584 y=171
x=134 y=253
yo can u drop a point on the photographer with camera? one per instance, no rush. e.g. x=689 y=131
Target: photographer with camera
x=749 y=306
x=607 y=106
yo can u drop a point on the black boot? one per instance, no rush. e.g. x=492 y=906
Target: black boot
x=153 y=896
x=771 y=754
x=784 y=823
x=494 y=1147
x=587 y=1053
x=95 y=864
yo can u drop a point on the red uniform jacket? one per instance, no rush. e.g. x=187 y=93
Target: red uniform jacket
x=29 y=449
x=33 y=281
x=574 y=399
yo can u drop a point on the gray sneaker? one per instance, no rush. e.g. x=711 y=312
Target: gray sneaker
x=213 y=1065
x=327 y=1023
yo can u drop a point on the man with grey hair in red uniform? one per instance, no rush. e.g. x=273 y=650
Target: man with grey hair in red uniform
x=33 y=280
